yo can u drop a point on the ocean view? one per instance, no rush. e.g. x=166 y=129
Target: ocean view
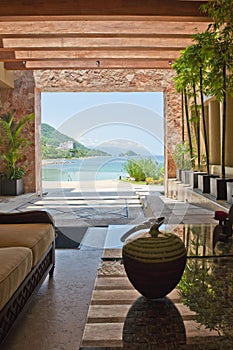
x=87 y=169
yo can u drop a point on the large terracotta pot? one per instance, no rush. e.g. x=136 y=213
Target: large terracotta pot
x=154 y=261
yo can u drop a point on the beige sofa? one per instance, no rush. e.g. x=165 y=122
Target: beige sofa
x=27 y=256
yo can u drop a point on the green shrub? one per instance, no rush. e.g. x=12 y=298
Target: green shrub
x=144 y=168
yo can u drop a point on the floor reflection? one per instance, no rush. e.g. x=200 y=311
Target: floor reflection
x=203 y=240
x=206 y=288
x=153 y=324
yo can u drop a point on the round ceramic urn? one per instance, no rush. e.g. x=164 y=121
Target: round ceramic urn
x=154 y=262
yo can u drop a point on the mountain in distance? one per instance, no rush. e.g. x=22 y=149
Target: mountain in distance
x=52 y=139
x=124 y=147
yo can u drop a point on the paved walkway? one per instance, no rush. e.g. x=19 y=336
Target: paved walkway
x=109 y=202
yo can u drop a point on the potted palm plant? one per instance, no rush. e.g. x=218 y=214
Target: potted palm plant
x=14 y=144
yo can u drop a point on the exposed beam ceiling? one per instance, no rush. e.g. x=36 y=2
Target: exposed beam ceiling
x=89 y=34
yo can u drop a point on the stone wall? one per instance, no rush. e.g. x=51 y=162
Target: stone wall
x=21 y=98
x=28 y=86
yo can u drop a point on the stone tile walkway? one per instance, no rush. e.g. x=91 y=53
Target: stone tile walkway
x=120 y=318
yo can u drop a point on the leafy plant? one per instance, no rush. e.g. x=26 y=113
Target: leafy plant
x=191 y=72
x=181 y=156
x=143 y=168
x=204 y=290
x=14 y=143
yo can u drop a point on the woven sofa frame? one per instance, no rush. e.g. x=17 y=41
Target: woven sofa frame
x=20 y=300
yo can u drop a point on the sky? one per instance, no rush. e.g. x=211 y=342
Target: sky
x=108 y=120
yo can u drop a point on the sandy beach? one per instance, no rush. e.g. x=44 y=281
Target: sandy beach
x=82 y=184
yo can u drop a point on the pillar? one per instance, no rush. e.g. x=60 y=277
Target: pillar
x=229 y=133
x=214 y=132
x=202 y=137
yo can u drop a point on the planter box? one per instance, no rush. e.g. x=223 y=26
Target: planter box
x=204 y=182
x=178 y=174
x=218 y=188
x=1 y=184
x=12 y=187
x=230 y=192
x=185 y=176
x=193 y=178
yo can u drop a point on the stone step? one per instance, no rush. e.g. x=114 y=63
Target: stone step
x=113 y=283
x=104 y=334
x=108 y=297
x=118 y=313
x=110 y=335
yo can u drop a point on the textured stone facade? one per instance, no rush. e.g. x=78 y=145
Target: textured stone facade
x=26 y=92
x=21 y=98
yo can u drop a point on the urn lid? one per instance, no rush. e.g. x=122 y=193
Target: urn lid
x=148 y=249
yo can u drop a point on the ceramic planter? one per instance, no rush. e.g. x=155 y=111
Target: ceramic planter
x=204 y=182
x=178 y=174
x=230 y=192
x=218 y=188
x=193 y=178
x=154 y=263
x=12 y=187
x=185 y=174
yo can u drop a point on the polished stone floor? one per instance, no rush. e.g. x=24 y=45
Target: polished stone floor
x=57 y=317
x=197 y=314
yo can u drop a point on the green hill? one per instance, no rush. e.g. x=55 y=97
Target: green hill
x=52 y=138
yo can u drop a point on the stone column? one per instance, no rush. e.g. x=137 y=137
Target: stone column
x=38 y=149
x=202 y=137
x=229 y=132
x=214 y=132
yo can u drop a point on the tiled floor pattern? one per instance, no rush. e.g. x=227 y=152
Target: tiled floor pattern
x=89 y=209
x=117 y=310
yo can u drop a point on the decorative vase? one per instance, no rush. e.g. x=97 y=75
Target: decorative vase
x=154 y=261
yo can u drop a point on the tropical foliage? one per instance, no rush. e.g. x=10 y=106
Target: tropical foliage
x=14 y=143
x=143 y=169
x=204 y=290
x=182 y=157
x=206 y=68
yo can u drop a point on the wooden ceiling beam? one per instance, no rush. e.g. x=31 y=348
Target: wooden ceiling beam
x=93 y=43
x=108 y=27
x=93 y=54
x=75 y=34
x=68 y=18
x=7 y=55
x=89 y=64
x=100 y=7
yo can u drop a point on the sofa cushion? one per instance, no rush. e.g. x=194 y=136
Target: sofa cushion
x=37 y=237
x=15 y=264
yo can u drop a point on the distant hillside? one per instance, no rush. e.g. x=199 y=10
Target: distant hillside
x=52 y=139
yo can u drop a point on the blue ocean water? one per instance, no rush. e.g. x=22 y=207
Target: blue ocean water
x=88 y=169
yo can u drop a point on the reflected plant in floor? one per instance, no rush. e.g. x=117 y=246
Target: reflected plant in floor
x=207 y=289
